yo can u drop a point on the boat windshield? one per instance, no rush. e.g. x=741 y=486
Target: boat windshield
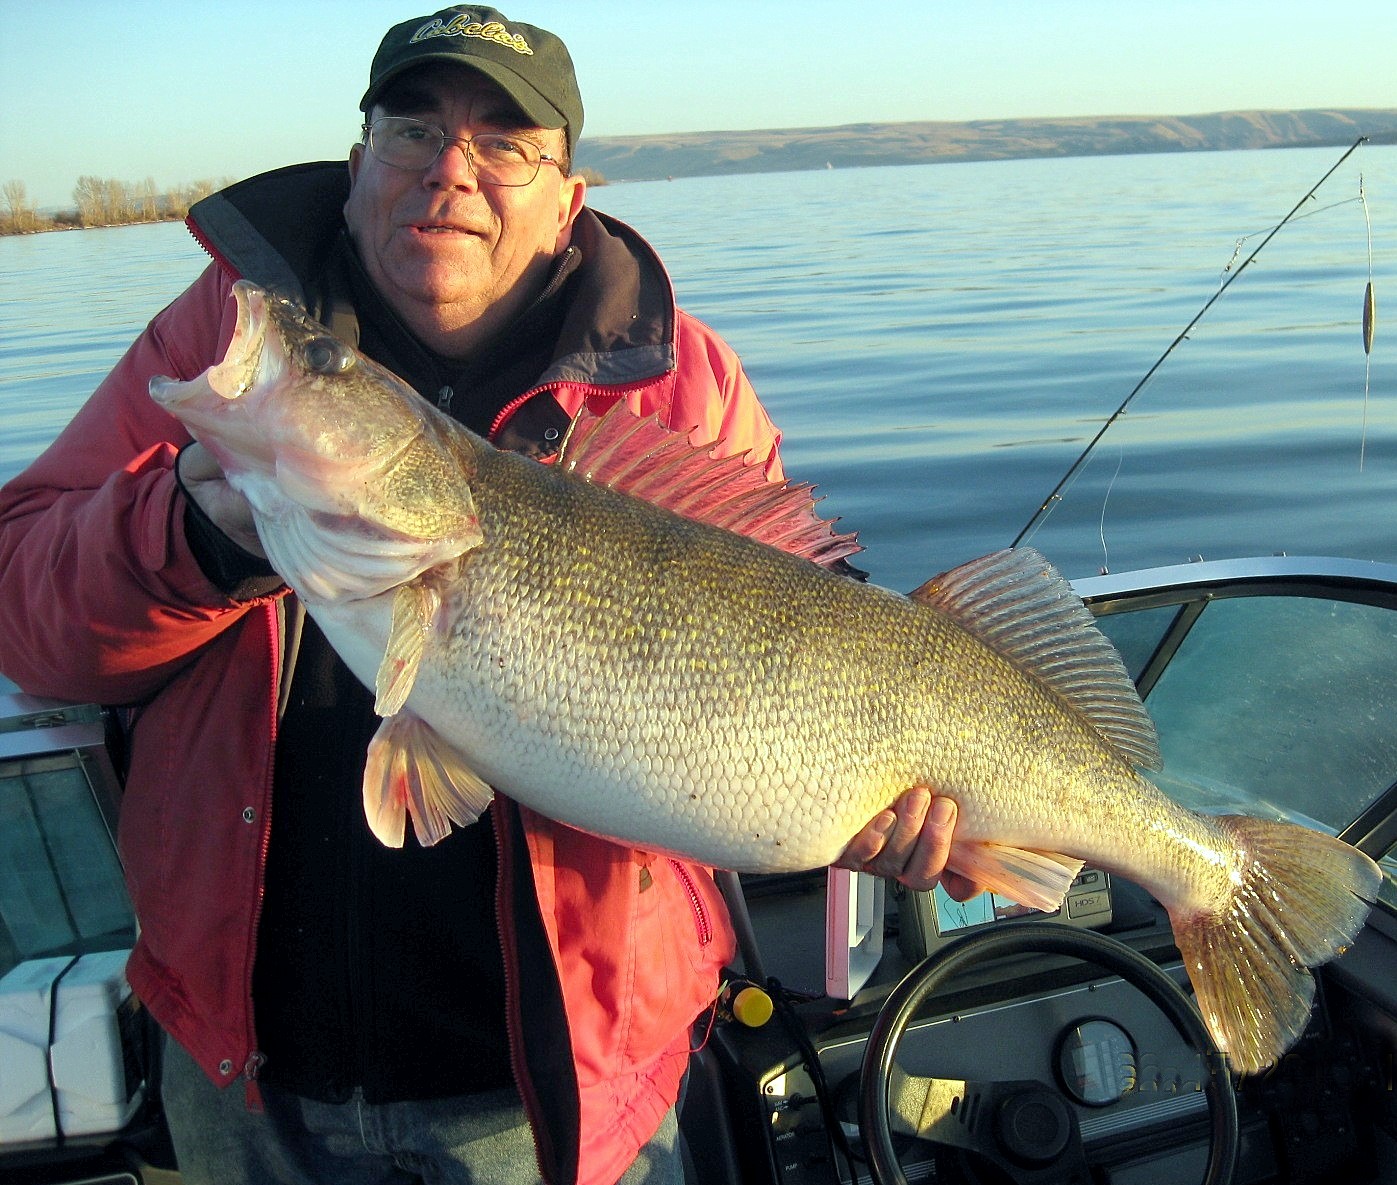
x=1274 y=690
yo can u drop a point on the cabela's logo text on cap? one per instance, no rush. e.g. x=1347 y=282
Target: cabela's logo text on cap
x=467 y=25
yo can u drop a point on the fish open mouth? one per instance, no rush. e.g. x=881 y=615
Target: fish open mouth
x=233 y=377
x=237 y=373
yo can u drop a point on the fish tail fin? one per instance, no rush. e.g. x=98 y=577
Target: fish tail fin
x=1300 y=898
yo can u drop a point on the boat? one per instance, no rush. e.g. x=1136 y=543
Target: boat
x=875 y=1035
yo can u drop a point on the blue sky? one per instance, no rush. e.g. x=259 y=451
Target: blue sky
x=192 y=89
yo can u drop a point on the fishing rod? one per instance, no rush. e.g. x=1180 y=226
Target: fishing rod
x=1056 y=496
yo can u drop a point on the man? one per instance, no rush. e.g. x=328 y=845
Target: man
x=518 y=999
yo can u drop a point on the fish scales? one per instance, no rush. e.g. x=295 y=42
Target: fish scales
x=797 y=704
x=698 y=707
x=674 y=685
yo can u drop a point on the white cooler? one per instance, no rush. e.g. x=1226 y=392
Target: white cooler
x=68 y=1064
x=70 y=1041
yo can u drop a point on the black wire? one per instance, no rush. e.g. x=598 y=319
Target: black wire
x=795 y=1029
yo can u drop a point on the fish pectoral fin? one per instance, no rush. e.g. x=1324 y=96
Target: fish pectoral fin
x=1036 y=879
x=415 y=609
x=412 y=771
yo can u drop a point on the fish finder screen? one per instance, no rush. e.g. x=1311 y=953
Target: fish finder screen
x=953 y=916
x=934 y=917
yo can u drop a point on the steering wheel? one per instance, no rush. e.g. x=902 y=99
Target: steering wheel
x=1025 y=1128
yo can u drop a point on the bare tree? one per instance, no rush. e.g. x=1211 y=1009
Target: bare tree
x=147 y=201
x=19 y=213
x=89 y=196
x=104 y=201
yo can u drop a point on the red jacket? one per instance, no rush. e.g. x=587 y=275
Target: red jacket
x=101 y=600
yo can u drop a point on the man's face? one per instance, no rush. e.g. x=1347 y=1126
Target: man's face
x=454 y=258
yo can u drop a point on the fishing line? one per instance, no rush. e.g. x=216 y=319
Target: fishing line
x=1370 y=311
x=1031 y=527
x=1237 y=249
x=1105 y=501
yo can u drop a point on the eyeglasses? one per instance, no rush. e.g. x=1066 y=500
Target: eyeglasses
x=495 y=158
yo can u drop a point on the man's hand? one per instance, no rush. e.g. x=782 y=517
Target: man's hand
x=203 y=481
x=909 y=842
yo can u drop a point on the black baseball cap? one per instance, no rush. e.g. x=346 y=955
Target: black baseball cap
x=529 y=64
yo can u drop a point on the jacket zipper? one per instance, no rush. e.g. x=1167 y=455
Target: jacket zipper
x=253 y=1089
x=217 y=256
x=504 y=926
x=702 y=922
x=586 y=389
x=255 y=1057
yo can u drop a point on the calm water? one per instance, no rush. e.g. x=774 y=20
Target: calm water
x=940 y=342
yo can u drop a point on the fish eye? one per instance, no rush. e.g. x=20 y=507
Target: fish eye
x=328 y=355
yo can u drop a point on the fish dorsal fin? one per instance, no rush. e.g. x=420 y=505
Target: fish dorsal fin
x=1017 y=603
x=640 y=456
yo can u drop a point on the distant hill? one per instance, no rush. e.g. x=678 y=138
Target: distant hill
x=692 y=154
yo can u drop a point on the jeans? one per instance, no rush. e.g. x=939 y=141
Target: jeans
x=479 y=1139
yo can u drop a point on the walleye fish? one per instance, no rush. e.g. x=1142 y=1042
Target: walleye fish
x=576 y=637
